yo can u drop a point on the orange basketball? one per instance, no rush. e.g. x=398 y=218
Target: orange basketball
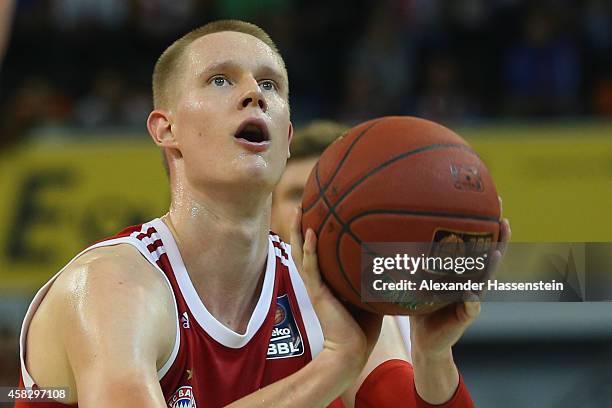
x=395 y=179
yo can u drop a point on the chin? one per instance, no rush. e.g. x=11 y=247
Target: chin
x=257 y=174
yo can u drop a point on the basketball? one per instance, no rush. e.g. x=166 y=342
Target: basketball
x=395 y=179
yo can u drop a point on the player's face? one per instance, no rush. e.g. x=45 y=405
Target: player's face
x=231 y=116
x=288 y=194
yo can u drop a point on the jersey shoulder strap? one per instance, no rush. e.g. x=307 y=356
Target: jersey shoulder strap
x=145 y=239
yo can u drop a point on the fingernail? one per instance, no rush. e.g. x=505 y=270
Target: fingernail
x=311 y=235
x=472 y=309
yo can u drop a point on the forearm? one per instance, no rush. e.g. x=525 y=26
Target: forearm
x=135 y=389
x=435 y=377
x=6 y=15
x=315 y=385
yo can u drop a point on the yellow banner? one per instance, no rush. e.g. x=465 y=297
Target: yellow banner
x=556 y=184
x=59 y=198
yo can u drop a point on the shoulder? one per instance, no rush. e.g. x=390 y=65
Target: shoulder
x=114 y=293
x=109 y=310
x=121 y=269
x=115 y=278
x=118 y=296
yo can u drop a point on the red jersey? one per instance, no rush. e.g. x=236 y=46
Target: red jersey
x=211 y=365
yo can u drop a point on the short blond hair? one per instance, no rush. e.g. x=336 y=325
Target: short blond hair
x=312 y=139
x=167 y=63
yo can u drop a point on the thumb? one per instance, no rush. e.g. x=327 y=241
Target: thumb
x=296 y=239
x=468 y=311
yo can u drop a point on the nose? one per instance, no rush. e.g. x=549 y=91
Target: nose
x=254 y=98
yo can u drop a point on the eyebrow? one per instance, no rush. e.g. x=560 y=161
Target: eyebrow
x=218 y=67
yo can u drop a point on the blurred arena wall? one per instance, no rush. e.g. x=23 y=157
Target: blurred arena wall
x=527 y=82
x=68 y=191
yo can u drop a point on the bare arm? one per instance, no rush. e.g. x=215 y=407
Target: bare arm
x=6 y=17
x=118 y=317
x=390 y=345
x=315 y=385
x=435 y=375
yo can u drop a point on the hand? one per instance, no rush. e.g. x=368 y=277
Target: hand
x=435 y=333
x=350 y=336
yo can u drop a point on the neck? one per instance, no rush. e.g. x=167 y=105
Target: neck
x=224 y=245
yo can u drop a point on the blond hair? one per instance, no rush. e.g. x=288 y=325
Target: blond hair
x=166 y=65
x=313 y=139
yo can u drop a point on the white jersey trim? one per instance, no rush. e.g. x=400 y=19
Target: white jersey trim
x=314 y=333
x=403 y=323
x=218 y=331
x=38 y=298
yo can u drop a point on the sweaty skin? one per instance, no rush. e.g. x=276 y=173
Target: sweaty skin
x=113 y=317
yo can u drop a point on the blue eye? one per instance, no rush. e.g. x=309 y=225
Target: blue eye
x=267 y=85
x=220 y=81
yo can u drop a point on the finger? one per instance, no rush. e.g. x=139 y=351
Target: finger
x=467 y=312
x=505 y=233
x=296 y=237
x=437 y=320
x=501 y=206
x=310 y=263
x=494 y=260
x=370 y=323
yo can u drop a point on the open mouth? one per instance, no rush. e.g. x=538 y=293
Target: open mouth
x=253 y=132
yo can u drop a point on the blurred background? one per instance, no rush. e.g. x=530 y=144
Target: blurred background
x=528 y=83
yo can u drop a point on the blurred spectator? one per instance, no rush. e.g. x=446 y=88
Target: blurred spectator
x=102 y=105
x=598 y=24
x=136 y=106
x=425 y=15
x=603 y=96
x=307 y=145
x=251 y=9
x=111 y=102
x=161 y=17
x=443 y=99
x=543 y=72
x=36 y=103
x=83 y=14
x=445 y=60
x=380 y=70
x=470 y=14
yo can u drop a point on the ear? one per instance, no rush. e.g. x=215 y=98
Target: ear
x=289 y=137
x=159 y=124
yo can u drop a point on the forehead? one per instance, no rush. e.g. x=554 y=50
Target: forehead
x=230 y=46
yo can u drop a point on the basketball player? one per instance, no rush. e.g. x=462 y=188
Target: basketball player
x=204 y=307
x=307 y=145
